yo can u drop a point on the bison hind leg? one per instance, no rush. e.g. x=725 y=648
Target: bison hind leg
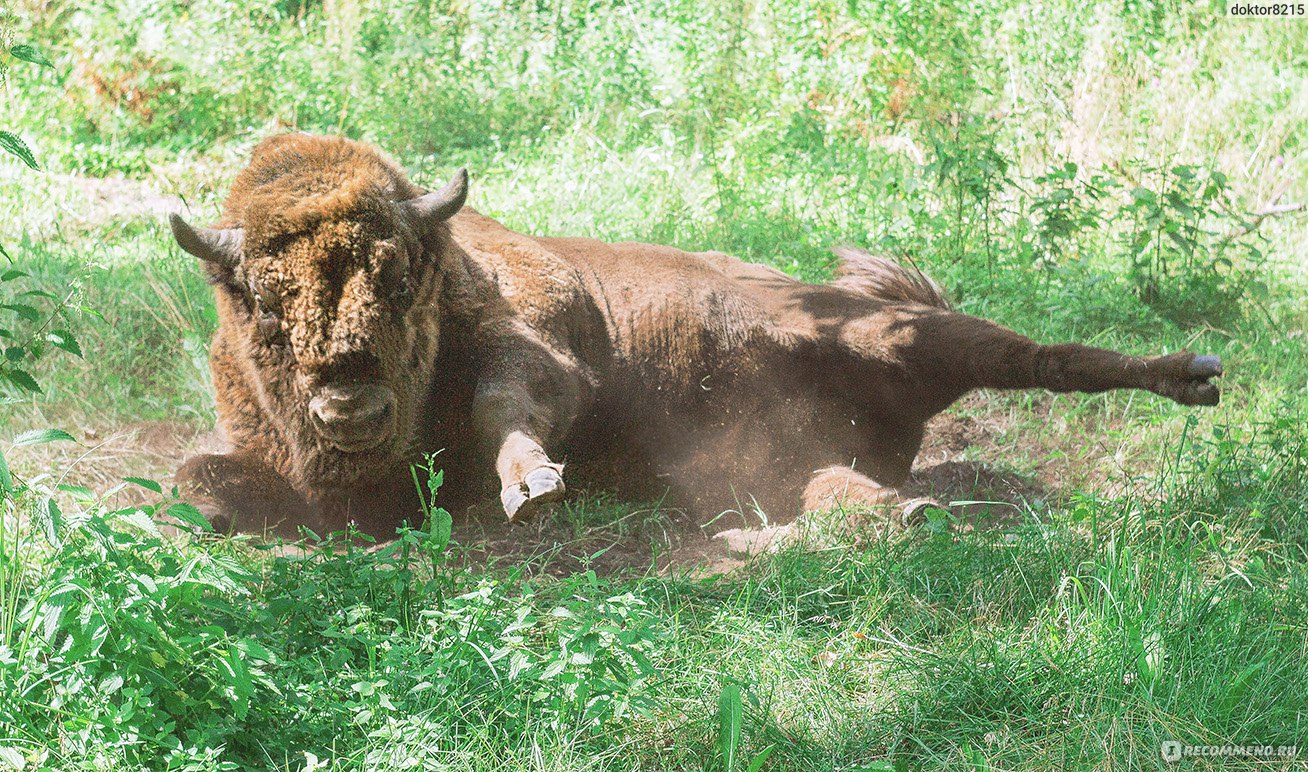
x=840 y=489
x=240 y=494
x=836 y=502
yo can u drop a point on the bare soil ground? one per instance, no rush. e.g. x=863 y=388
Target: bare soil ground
x=961 y=464
x=114 y=199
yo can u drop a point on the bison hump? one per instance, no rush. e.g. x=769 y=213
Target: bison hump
x=884 y=279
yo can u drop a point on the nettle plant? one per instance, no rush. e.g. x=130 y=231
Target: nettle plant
x=9 y=141
x=971 y=174
x=1191 y=256
x=32 y=321
x=143 y=650
x=88 y=592
x=1065 y=206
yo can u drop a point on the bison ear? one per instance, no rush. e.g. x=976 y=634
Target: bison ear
x=439 y=206
x=220 y=246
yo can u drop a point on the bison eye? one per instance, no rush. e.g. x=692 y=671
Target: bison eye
x=265 y=302
x=269 y=326
x=403 y=291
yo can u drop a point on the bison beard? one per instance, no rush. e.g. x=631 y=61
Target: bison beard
x=364 y=321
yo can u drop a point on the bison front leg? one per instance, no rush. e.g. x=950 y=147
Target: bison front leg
x=240 y=493
x=513 y=425
x=529 y=393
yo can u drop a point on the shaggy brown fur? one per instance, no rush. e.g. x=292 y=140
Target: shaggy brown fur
x=645 y=368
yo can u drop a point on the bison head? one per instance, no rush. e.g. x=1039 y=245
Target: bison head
x=332 y=301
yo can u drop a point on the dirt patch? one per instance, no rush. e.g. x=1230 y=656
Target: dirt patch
x=630 y=539
x=102 y=456
x=980 y=495
x=115 y=199
x=592 y=531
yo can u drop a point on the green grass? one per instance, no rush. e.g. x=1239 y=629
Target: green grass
x=1155 y=589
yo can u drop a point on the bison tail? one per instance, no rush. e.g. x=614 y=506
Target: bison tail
x=885 y=279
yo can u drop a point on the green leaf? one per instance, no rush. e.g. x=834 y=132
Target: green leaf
x=240 y=681
x=441 y=526
x=29 y=54
x=84 y=494
x=255 y=650
x=6 y=479
x=189 y=514
x=643 y=662
x=41 y=436
x=53 y=522
x=12 y=756
x=13 y=144
x=25 y=311
x=145 y=483
x=22 y=379
x=1236 y=689
x=6 y=256
x=63 y=339
x=12 y=273
x=111 y=684
x=553 y=668
x=141 y=519
x=761 y=758
x=730 y=719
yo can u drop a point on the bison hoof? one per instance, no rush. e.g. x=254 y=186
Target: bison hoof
x=914 y=512
x=542 y=486
x=1194 y=387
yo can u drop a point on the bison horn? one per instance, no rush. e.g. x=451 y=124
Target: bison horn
x=220 y=246
x=440 y=205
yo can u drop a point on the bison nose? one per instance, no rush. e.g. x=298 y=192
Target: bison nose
x=354 y=416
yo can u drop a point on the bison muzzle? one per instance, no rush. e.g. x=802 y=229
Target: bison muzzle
x=354 y=416
x=365 y=322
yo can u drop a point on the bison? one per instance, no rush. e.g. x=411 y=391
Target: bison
x=364 y=321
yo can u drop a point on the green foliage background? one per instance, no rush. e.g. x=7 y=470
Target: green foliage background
x=1123 y=174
